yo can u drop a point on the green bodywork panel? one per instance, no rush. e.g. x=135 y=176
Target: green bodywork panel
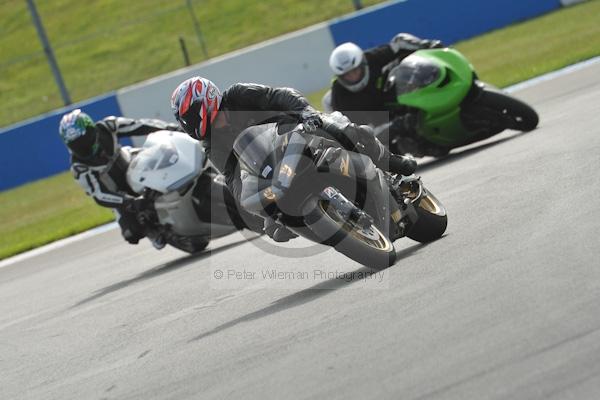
x=440 y=105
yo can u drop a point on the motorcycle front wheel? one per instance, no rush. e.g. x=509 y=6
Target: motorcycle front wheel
x=516 y=114
x=365 y=245
x=432 y=221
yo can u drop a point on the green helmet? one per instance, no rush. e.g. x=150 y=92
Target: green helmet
x=78 y=132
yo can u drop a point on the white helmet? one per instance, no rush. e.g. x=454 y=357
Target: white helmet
x=345 y=58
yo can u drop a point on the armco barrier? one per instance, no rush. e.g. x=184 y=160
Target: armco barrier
x=449 y=21
x=33 y=149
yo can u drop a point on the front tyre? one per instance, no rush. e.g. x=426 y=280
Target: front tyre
x=432 y=219
x=365 y=245
x=514 y=113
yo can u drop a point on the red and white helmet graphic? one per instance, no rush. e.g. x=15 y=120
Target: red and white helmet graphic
x=195 y=103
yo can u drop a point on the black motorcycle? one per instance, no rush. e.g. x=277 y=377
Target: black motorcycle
x=334 y=196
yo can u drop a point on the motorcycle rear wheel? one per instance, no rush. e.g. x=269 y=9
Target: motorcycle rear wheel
x=367 y=246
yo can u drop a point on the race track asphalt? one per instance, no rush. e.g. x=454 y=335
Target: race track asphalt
x=505 y=306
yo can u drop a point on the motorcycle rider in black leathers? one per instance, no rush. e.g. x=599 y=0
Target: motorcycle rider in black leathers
x=217 y=119
x=99 y=167
x=357 y=90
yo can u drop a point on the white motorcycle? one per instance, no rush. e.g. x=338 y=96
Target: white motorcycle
x=191 y=204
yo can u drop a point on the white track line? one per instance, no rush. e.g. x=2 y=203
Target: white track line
x=105 y=228
x=552 y=75
x=58 y=244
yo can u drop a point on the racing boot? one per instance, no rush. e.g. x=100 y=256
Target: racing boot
x=158 y=241
x=277 y=231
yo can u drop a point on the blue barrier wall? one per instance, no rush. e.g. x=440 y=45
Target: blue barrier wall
x=449 y=21
x=33 y=149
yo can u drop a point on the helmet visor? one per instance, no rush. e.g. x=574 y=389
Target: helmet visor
x=87 y=145
x=354 y=75
x=356 y=79
x=191 y=121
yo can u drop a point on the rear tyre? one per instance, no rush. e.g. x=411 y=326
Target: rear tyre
x=514 y=113
x=432 y=221
x=365 y=245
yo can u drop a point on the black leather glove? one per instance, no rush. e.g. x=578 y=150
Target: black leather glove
x=408 y=42
x=404 y=124
x=433 y=44
x=405 y=42
x=311 y=120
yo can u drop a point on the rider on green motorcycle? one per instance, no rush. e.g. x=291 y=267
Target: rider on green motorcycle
x=357 y=90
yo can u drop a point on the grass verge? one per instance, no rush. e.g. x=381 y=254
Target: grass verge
x=105 y=45
x=45 y=211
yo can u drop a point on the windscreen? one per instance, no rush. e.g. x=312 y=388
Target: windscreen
x=414 y=72
x=156 y=157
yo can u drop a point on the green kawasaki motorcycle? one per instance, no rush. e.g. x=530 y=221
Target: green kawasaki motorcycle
x=448 y=105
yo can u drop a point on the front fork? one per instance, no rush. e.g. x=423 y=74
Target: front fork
x=406 y=192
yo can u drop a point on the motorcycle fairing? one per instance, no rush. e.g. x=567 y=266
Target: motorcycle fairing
x=438 y=99
x=167 y=161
